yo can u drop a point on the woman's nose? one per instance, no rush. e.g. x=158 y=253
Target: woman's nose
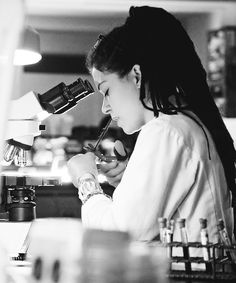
x=106 y=108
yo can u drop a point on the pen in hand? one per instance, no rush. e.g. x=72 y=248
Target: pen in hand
x=119 y=150
x=91 y=148
x=102 y=134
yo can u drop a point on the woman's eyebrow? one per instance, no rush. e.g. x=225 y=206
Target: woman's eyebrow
x=100 y=84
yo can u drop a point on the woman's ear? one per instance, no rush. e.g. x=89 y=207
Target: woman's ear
x=136 y=72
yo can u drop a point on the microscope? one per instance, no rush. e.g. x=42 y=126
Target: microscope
x=24 y=123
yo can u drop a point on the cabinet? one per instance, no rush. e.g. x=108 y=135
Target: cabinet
x=221 y=68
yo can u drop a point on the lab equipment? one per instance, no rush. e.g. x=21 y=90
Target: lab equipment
x=24 y=123
x=184 y=240
x=27 y=113
x=162 y=224
x=225 y=240
x=204 y=238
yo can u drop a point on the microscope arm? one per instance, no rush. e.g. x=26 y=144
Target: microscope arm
x=26 y=114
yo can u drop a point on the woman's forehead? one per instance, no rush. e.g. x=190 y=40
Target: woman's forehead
x=98 y=78
x=97 y=75
x=102 y=77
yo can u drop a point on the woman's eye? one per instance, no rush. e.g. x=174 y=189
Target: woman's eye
x=106 y=93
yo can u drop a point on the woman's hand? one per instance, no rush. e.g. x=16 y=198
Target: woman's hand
x=113 y=171
x=81 y=164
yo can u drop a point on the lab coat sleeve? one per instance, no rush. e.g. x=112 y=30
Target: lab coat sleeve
x=161 y=171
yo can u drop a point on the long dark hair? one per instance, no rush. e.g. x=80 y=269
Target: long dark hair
x=156 y=40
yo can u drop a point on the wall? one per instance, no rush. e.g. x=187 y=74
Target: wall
x=197 y=27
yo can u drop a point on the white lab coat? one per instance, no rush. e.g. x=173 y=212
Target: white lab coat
x=168 y=175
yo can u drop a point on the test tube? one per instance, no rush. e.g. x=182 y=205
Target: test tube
x=183 y=232
x=169 y=230
x=184 y=240
x=169 y=236
x=225 y=240
x=205 y=241
x=162 y=227
x=204 y=238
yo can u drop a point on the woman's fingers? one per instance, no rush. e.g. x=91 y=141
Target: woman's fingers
x=106 y=167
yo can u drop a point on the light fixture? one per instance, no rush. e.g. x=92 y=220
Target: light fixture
x=28 y=51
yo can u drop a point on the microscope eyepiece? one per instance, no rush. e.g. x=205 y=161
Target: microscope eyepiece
x=62 y=98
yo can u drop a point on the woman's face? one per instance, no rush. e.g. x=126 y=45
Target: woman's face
x=121 y=98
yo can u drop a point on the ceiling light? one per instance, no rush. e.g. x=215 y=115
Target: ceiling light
x=28 y=51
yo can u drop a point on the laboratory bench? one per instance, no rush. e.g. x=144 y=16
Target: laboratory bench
x=21 y=272
x=110 y=259
x=145 y=262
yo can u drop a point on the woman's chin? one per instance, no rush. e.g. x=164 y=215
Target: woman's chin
x=124 y=128
x=128 y=130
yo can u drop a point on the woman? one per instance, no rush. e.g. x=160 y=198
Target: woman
x=182 y=165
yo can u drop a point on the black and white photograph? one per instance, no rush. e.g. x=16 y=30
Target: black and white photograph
x=117 y=141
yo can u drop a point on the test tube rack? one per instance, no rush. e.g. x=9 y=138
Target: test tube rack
x=219 y=266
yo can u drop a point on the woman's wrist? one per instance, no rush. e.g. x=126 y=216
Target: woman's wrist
x=86 y=176
x=88 y=186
